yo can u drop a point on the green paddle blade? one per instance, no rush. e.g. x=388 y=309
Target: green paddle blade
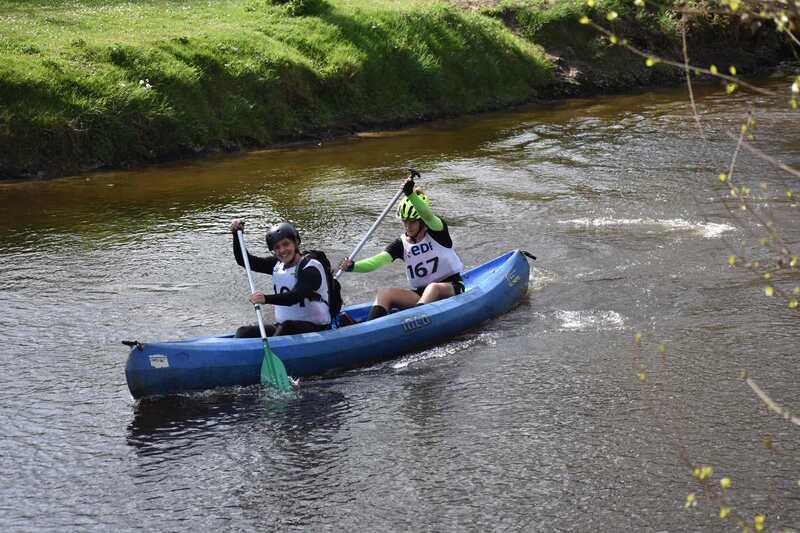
x=273 y=373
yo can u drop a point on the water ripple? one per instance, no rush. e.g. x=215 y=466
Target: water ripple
x=534 y=421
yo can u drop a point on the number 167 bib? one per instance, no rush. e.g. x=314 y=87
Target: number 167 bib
x=428 y=261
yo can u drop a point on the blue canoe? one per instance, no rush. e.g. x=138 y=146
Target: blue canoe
x=207 y=362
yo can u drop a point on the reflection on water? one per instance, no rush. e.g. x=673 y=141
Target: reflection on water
x=534 y=421
x=185 y=418
x=162 y=426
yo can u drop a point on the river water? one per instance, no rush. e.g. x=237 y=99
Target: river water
x=537 y=421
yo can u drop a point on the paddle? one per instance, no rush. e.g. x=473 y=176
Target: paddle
x=273 y=373
x=352 y=256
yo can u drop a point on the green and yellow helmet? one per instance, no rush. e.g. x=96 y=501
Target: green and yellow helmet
x=407 y=211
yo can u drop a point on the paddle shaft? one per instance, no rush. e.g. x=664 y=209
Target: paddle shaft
x=240 y=236
x=360 y=245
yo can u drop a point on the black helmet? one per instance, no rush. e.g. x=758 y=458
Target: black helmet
x=281 y=231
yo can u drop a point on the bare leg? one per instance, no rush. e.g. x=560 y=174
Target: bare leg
x=437 y=291
x=388 y=298
x=400 y=298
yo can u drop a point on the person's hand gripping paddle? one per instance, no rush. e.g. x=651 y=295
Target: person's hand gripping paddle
x=352 y=256
x=273 y=373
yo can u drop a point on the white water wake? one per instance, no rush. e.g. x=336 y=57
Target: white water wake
x=708 y=230
x=445 y=350
x=590 y=320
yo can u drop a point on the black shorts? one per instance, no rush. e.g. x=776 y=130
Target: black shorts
x=456 y=280
x=289 y=327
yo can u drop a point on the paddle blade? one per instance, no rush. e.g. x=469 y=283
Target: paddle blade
x=273 y=373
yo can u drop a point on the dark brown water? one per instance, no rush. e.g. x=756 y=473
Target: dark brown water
x=535 y=422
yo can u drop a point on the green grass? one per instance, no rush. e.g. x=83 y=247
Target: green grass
x=74 y=74
x=93 y=83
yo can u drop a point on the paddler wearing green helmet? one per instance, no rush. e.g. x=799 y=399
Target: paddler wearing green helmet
x=433 y=268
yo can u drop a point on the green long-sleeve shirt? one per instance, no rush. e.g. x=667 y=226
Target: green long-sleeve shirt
x=437 y=228
x=425 y=212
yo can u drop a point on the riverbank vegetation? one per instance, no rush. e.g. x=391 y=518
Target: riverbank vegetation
x=589 y=61
x=95 y=83
x=86 y=84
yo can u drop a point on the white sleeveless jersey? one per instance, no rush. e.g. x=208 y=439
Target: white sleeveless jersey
x=428 y=261
x=316 y=312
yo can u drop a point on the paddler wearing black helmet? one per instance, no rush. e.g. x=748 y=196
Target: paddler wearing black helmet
x=433 y=268
x=300 y=306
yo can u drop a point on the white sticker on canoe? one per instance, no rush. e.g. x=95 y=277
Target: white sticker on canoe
x=159 y=361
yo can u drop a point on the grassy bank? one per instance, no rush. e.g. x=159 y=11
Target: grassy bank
x=96 y=83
